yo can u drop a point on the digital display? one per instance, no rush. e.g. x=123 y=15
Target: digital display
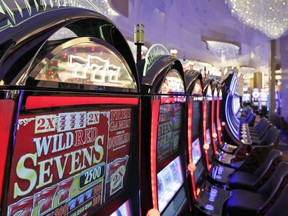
x=69 y=163
x=246 y=97
x=168 y=130
x=169 y=180
x=264 y=97
x=123 y=210
x=196 y=151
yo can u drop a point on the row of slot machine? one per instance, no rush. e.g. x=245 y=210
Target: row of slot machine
x=82 y=133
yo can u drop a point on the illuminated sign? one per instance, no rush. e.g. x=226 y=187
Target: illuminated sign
x=85 y=62
x=209 y=91
x=172 y=83
x=197 y=90
x=255 y=93
x=215 y=93
x=220 y=94
x=209 y=94
x=93 y=66
x=153 y=53
x=69 y=163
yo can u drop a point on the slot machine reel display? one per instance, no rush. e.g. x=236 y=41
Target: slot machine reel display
x=74 y=115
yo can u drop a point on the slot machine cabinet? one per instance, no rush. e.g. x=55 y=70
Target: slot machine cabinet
x=71 y=98
x=220 y=125
x=196 y=160
x=206 y=198
x=256 y=100
x=229 y=120
x=207 y=109
x=164 y=184
x=247 y=98
x=214 y=118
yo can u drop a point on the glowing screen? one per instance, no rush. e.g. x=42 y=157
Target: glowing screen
x=169 y=180
x=196 y=151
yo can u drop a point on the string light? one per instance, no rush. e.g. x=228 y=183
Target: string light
x=247 y=70
x=267 y=16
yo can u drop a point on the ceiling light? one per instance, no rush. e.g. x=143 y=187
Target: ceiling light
x=267 y=16
x=247 y=70
x=222 y=49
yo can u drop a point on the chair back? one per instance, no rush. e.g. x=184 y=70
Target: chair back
x=275 y=185
x=272 y=135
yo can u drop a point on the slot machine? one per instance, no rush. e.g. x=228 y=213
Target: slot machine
x=247 y=98
x=256 y=99
x=164 y=186
x=207 y=109
x=70 y=103
x=214 y=118
x=263 y=102
x=219 y=123
x=231 y=123
x=207 y=199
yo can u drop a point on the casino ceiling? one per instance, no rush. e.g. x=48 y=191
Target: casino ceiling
x=186 y=24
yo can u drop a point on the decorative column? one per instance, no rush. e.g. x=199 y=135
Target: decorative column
x=272 y=82
x=258 y=80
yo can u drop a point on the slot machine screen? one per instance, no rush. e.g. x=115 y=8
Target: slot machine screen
x=169 y=128
x=263 y=97
x=123 y=210
x=197 y=160
x=170 y=176
x=196 y=151
x=169 y=179
x=80 y=160
x=246 y=97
